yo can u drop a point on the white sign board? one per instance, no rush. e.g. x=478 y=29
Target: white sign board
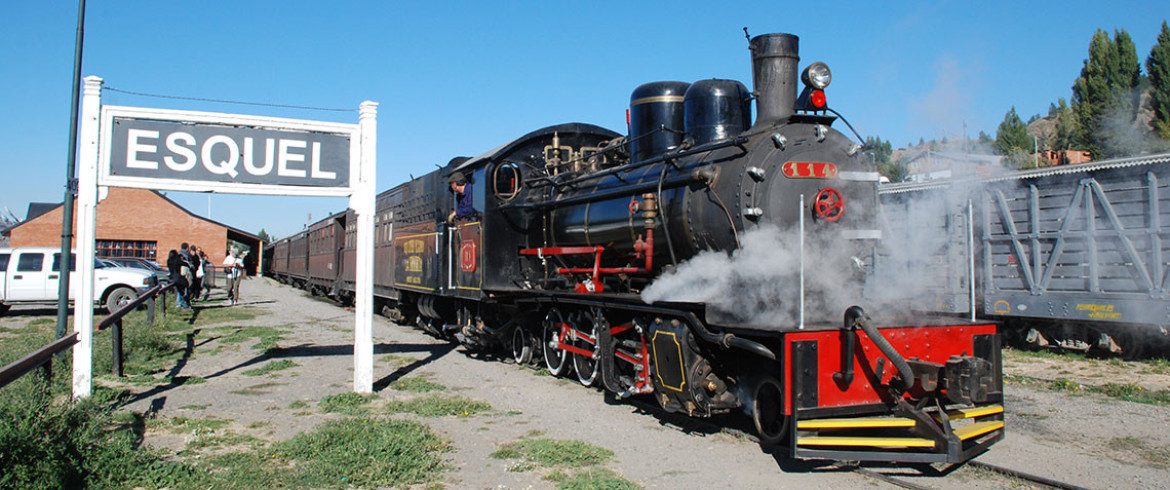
x=231 y=153
x=202 y=151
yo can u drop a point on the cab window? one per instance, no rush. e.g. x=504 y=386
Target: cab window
x=4 y=262
x=30 y=262
x=506 y=181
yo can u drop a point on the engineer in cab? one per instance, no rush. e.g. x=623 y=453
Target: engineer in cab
x=463 y=197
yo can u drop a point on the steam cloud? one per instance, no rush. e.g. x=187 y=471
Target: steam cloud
x=759 y=284
x=920 y=265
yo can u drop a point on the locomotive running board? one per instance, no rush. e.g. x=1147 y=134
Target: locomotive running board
x=894 y=438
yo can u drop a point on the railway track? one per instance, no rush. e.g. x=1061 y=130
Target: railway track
x=1017 y=474
x=1048 y=482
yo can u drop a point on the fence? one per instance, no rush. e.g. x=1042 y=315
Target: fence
x=42 y=356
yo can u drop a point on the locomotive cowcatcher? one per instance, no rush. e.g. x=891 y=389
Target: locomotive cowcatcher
x=576 y=248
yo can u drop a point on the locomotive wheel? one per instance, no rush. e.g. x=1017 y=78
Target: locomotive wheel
x=768 y=411
x=587 y=367
x=521 y=345
x=554 y=358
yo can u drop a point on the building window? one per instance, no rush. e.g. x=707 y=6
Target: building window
x=127 y=248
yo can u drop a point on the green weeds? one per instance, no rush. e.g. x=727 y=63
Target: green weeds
x=417 y=385
x=438 y=406
x=348 y=403
x=271 y=367
x=1121 y=391
x=577 y=464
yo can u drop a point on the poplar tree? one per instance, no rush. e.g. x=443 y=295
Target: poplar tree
x=1066 y=127
x=1105 y=96
x=1158 y=70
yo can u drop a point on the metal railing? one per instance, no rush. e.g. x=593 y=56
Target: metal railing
x=42 y=356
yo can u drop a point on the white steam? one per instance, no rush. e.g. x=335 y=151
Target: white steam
x=920 y=264
x=759 y=284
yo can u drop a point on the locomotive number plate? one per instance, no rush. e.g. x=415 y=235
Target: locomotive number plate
x=809 y=170
x=467 y=256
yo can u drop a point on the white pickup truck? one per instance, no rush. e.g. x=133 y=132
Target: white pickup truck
x=30 y=275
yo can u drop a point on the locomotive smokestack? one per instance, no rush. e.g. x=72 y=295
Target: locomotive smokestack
x=774 y=76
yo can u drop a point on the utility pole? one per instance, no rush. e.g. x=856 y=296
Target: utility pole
x=70 y=183
x=1035 y=151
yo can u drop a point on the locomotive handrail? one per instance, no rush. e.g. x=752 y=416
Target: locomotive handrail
x=737 y=141
x=619 y=192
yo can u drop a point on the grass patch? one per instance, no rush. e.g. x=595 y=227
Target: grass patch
x=298 y=404
x=1120 y=391
x=266 y=337
x=438 y=406
x=346 y=403
x=50 y=441
x=271 y=367
x=195 y=426
x=554 y=452
x=590 y=479
x=222 y=440
x=417 y=385
x=47 y=443
x=578 y=464
x=1135 y=393
x=363 y=453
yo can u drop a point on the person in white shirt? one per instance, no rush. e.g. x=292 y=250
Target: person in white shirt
x=234 y=267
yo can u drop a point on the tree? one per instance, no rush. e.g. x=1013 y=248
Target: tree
x=895 y=171
x=881 y=150
x=1105 y=96
x=264 y=236
x=1012 y=135
x=1066 y=127
x=1158 y=70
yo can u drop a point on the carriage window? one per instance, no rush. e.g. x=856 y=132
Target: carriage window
x=507 y=181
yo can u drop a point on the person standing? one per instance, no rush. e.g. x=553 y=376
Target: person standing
x=197 y=268
x=208 y=270
x=175 y=267
x=235 y=269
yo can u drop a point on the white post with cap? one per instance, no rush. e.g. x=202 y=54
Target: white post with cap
x=87 y=195
x=362 y=201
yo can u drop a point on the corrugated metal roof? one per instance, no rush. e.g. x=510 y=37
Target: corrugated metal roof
x=1030 y=174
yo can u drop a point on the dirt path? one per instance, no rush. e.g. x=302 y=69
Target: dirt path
x=1090 y=439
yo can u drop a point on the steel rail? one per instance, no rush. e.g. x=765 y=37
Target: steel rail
x=1026 y=476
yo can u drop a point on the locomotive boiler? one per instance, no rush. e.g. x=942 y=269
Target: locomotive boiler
x=708 y=261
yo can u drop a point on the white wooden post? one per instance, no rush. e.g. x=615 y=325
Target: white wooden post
x=362 y=201
x=87 y=159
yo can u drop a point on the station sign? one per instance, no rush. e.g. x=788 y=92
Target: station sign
x=181 y=150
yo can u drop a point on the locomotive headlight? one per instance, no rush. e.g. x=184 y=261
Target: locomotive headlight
x=817 y=75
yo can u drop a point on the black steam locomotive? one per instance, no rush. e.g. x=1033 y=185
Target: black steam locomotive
x=702 y=260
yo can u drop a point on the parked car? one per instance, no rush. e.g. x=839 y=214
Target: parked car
x=143 y=264
x=30 y=275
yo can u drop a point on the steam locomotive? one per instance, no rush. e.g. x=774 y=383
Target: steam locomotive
x=710 y=263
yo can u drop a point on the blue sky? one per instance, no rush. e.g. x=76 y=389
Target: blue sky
x=458 y=78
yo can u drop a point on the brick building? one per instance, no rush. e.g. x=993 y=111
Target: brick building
x=140 y=223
